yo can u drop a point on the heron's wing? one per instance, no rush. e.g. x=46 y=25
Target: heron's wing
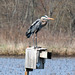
x=32 y=28
x=34 y=25
x=35 y=22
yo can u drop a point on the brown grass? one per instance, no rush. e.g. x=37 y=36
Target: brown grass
x=58 y=45
x=16 y=17
x=12 y=49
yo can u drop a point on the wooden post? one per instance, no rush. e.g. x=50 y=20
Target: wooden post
x=35 y=58
x=26 y=72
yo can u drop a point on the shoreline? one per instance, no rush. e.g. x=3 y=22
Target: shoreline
x=23 y=55
x=20 y=51
x=12 y=56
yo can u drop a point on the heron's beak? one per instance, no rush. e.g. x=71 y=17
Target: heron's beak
x=50 y=18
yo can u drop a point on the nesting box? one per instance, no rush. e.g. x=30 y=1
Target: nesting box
x=35 y=57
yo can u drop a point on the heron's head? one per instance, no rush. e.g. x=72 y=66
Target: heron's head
x=46 y=18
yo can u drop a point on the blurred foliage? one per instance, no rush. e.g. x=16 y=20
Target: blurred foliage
x=17 y=15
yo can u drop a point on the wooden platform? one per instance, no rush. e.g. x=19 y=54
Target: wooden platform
x=35 y=58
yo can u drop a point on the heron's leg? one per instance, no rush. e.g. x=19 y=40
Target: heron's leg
x=36 y=39
x=33 y=39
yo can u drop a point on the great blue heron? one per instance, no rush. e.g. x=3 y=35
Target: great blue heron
x=37 y=25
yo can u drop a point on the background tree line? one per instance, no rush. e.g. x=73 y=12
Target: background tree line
x=17 y=15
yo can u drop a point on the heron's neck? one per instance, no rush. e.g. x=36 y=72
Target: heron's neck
x=44 y=23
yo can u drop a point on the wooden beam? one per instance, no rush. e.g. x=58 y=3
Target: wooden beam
x=26 y=72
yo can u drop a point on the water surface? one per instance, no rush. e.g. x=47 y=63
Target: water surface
x=12 y=66
x=54 y=66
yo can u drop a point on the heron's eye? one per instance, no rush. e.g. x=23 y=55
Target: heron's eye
x=44 y=19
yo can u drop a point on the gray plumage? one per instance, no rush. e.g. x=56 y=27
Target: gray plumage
x=37 y=25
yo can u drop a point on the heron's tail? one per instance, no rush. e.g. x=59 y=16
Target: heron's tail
x=28 y=33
